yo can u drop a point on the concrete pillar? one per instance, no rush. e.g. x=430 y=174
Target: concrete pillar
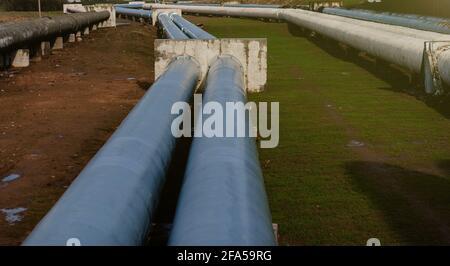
x=78 y=37
x=20 y=58
x=86 y=31
x=46 y=48
x=72 y=37
x=58 y=43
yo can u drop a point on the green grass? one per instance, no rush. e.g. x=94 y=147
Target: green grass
x=320 y=190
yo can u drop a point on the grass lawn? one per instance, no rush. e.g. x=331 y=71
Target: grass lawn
x=358 y=157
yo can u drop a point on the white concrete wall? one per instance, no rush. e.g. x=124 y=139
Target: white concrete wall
x=252 y=53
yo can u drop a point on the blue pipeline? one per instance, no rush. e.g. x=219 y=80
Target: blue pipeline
x=223 y=199
x=170 y=29
x=190 y=29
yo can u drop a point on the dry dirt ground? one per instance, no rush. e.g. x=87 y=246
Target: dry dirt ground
x=57 y=113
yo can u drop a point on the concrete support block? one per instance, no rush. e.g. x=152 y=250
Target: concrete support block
x=46 y=49
x=156 y=12
x=79 y=37
x=58 y=43
x=20 y=58
x=252 y=53
x=72 y=37
x=86 y=31
x=94 y=27
x=142 y=20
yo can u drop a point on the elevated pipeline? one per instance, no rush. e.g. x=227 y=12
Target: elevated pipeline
x=415 y=22
x=15 y=35
x=399 y=45
x=169 y=28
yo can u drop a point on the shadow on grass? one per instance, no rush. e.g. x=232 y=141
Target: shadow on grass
x=398 y=80
x=414 y=204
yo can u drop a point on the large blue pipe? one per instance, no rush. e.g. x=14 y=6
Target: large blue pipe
x=190 y=29
x=138 y=13
x=170 y=29
x=223 y=199
x=113 y=200
x=410 y=21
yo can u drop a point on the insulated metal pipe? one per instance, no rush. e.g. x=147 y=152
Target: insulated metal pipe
x=14 y=35
x=138 y=13
x=190 y=29
x=223 y=199
x=420 y=23
x=170 y=29
x=112 y=201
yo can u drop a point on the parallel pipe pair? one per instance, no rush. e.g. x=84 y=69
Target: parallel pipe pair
x=136 y=13
x=176 y=27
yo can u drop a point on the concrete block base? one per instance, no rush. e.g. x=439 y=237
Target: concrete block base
x=58 y=43
x=72 y=37
x=94 y=27
x=78 y=37
x=20 y=58
x=86 y=31
x=46 y=49
x=252 y=53
x=156 y=12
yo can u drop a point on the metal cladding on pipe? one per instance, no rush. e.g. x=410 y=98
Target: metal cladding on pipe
x=139 y=13
x=112 y=201
x=420 y=23
x=223 y=199
x=190 y=29
x=170 y=29
x=13 y=35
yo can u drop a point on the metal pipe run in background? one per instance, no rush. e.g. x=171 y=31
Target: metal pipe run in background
x=271 y=13
x=399 y=45
x=137 y=13
x=112 y=201
x=15 y=35
x=191 y=30
x=223 y=199
x=170 y=29
x=410 y=21
x=135 y=6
